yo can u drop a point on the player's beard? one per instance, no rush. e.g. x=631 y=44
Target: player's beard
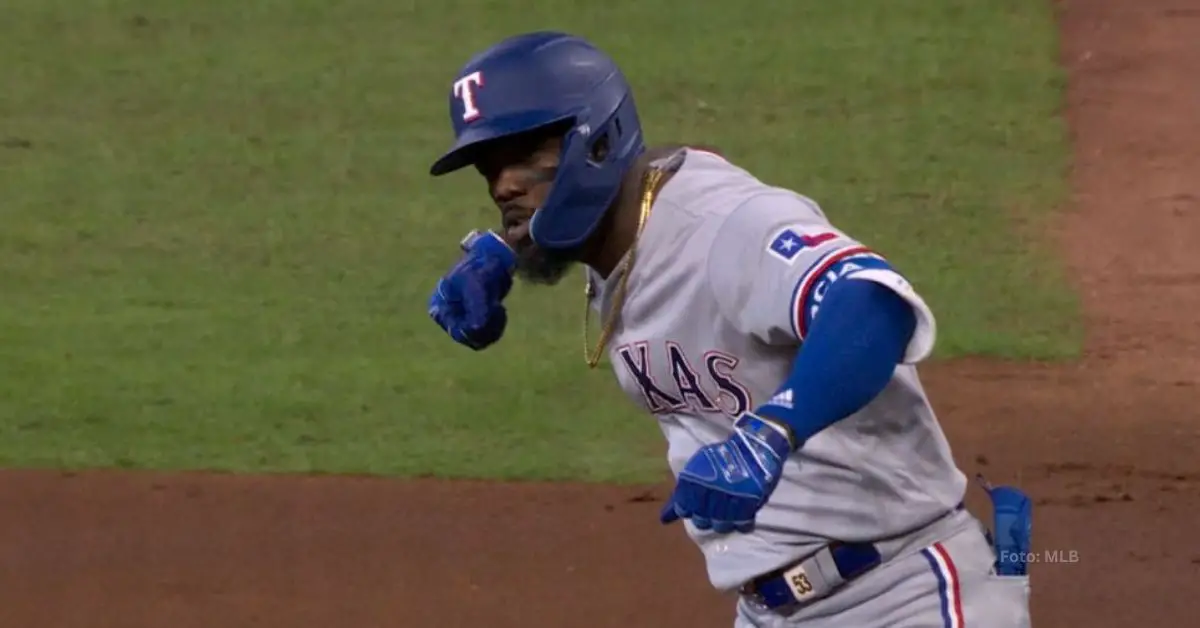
x=541 y=266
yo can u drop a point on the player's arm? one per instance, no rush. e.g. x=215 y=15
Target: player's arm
x=852 y=349
x=782 y=274
x=851 y=316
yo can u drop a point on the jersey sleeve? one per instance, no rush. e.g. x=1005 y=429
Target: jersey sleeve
x=773 y=259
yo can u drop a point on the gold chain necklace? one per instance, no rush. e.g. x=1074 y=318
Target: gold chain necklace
x=649 y=185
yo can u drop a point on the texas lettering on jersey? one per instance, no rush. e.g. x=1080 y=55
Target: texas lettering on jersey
x=710 y=388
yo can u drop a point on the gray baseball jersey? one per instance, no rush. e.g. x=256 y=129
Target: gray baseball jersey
x=728 y=273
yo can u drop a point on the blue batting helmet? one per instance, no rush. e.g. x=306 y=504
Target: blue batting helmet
x=538 y=80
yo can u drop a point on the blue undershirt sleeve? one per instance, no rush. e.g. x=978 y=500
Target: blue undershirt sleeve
x=847 y=358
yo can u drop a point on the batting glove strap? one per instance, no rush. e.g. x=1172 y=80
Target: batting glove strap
x=769 y=432
x=491 y=246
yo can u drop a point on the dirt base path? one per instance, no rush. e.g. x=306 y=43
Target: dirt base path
x=1107 y=447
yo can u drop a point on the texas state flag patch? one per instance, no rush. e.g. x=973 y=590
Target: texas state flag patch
x=788 y=243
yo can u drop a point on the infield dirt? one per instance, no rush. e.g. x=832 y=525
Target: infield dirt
x=1106 y=446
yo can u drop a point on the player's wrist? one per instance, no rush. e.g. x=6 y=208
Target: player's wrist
x=778 y=435
x=489 y=244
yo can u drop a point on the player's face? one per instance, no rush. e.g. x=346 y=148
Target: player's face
x=519 y=172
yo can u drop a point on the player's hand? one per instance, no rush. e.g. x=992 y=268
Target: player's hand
x=468 y=302
x=723 y=486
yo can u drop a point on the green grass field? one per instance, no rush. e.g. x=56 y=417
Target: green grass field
x=219 y=232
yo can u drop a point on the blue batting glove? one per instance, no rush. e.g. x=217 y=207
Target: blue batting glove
x=723 y=486
x=468 y=302
x=1012 y=521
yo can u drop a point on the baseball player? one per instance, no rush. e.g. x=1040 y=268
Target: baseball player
x=776 y=351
